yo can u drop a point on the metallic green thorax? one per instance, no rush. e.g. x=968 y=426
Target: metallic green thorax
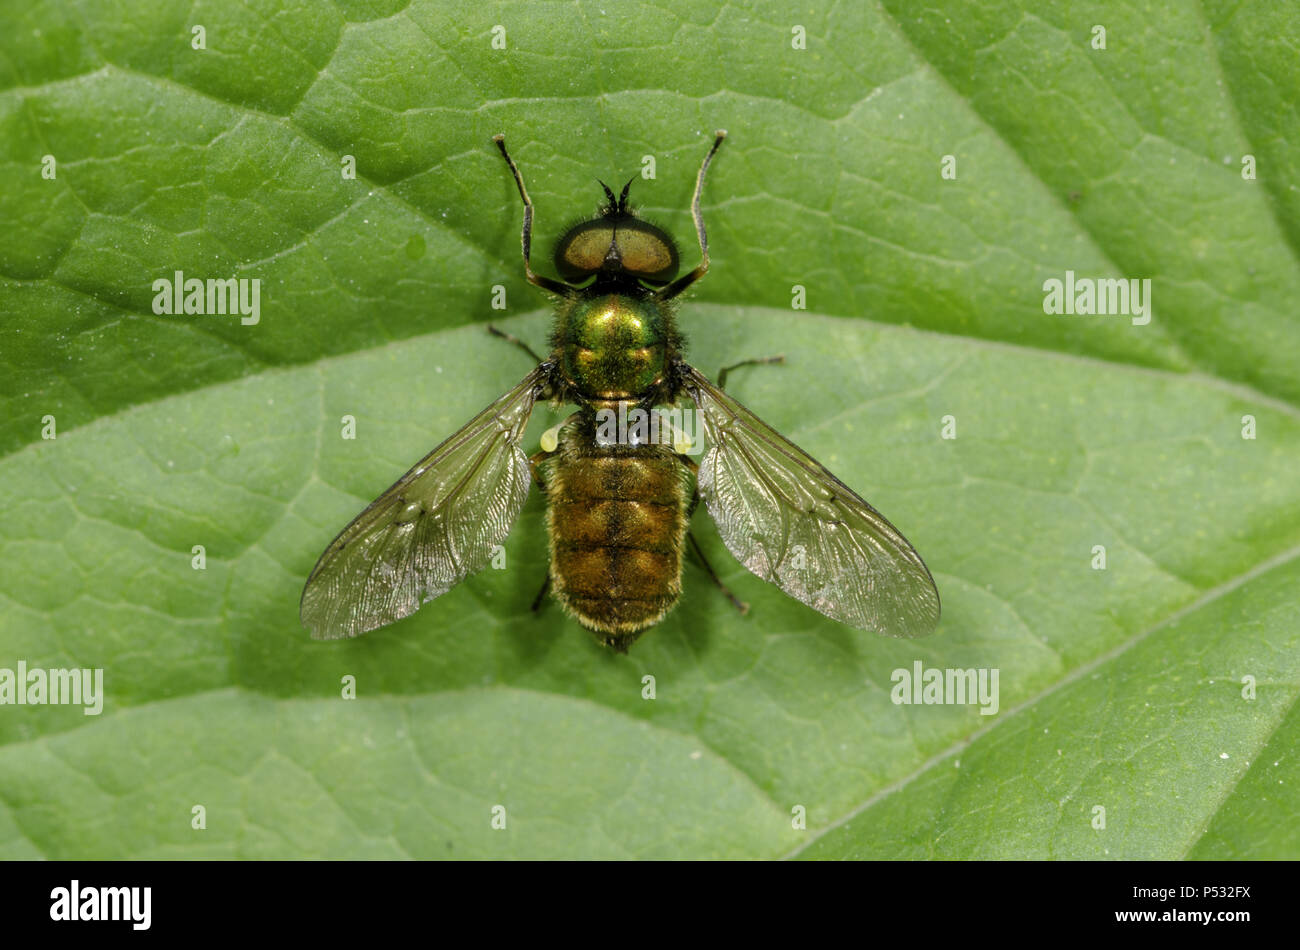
x=614 y=341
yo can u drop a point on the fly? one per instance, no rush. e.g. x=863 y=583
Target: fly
x=618 y=510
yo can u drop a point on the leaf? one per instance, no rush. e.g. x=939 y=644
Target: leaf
x=1127 y=689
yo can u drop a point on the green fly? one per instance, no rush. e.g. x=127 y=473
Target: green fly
x=618 y=509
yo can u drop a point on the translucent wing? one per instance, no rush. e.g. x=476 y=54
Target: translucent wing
x=793 y=523
x=433 y=528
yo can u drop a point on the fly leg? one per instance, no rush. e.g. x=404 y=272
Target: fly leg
x=526 y=237
x=534 y=463
x=681 y=283
x=726 y=591
x=695 y=489
x=541 y=594
x=699 y=551
x=761 y=361
x=511 y=338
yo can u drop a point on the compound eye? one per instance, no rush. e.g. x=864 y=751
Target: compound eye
x=583 y=250
x=647 y=252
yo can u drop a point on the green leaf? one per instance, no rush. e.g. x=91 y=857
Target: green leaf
x=1161 y=690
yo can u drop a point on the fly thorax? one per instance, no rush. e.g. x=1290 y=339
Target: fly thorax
x=614 y=346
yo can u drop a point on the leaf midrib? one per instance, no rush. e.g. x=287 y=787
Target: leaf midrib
x=1238 y=390
x=1073 y=676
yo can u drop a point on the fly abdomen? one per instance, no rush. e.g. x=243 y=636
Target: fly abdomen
x=617 y=520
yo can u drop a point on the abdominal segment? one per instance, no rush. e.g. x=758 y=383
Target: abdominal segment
x=617 y=519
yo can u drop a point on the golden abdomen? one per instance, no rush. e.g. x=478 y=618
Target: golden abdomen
x=617 y=519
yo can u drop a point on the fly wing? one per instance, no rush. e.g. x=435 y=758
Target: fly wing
x=793 y=523
x=433 y=528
